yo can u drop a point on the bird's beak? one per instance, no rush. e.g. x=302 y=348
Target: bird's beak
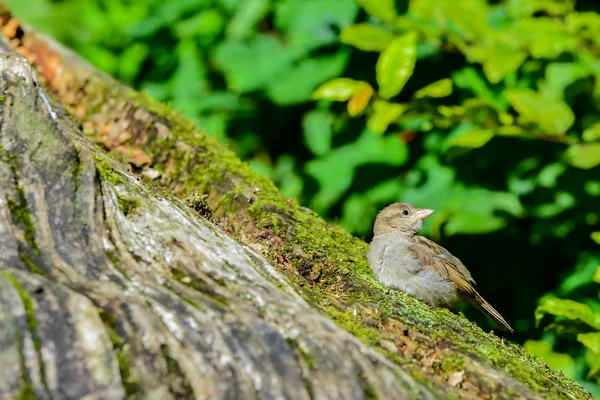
x=423 y=213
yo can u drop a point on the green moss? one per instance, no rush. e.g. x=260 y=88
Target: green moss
x=368 y=390
x=303 y=354
x=453 y=362
x=116 y=262
x=20 y=213
x=127 y=204
x=30 y=264
x=26 y=392
x=179 y=386
x=199 y=286
x=107 y=170
x=31 y=324
x=121 y=349
x=77 y=169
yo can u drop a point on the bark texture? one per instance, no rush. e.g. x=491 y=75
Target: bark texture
x=112 y=287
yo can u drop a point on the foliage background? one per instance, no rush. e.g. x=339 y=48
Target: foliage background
x=484 y=111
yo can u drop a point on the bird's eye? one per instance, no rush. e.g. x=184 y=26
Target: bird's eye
x=405 y=212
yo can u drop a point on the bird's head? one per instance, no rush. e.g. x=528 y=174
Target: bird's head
x=400 y=218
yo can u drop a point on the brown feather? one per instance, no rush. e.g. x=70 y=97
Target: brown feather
x=433 y=256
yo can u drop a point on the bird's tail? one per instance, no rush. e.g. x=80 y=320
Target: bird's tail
x=479 y=302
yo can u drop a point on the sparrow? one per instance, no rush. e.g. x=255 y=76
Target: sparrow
x=404 y=261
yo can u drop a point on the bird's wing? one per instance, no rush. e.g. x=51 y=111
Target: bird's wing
x=433 y=256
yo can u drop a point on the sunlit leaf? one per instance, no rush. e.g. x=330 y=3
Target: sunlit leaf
x=596 y=237
x=497 y=61
x=559 y=76
x=382 y=9
x=590 y=340
x=584 y=156
x=471 y=137
x=545 y=37
x=396 y=64
x=568 y=309
x=339 y=89
x=384 y=113
x=441 y=88
x=366 y=37
x=554 y=116
x=592 y=133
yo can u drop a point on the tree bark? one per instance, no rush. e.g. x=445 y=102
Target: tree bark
x=113 y=287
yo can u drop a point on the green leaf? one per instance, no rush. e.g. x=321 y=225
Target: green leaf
x=206 y=26
x=437 y=89
x=246 y=16
x=595 y=237
x=471 y=137
x=297 y=84
x=584 y=156
x=339 y=89
x=545 y=37
x=497 y=62
x=266 y=54
x=568 y=309
x=559 y=76
x=366 y=37
x=592 y=133
x=468 y=78
x=384 y=113
x=382 y=9
x=468 y=210
x=557 y=361
x=553 y=116
x=581 y=276
x=590 y=340
x=334 y=172
x=396 y=64
x=189 y=80
x=316 y=126
x=310 y=24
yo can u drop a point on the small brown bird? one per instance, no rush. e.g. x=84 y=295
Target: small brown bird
x=405 y=261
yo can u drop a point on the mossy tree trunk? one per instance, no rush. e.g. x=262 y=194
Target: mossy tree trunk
x=123 y=284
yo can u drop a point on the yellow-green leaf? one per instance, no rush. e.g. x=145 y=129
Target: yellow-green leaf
x=384 y=113
x=441 y=88
x=366 y=37
x=592 y=133
x=590 y=340
x=595 y=237
x=472 y=138
x=396 y=64
x=568 y=309
x=382 y=9
x=584 y=156
x=554 y=116
x=596 y=277
x=339 y=89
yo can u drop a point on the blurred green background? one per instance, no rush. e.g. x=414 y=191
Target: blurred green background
x=486 y=111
